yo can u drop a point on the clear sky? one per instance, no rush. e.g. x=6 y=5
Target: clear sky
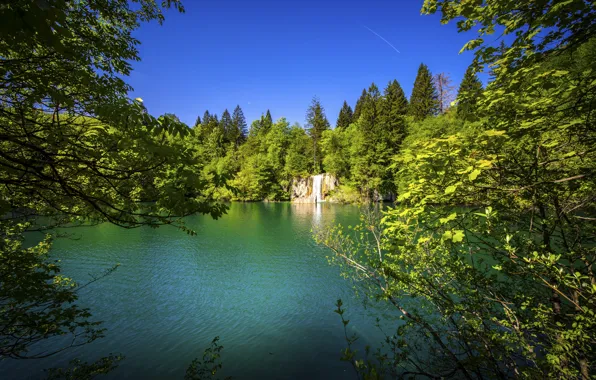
x=277 y=55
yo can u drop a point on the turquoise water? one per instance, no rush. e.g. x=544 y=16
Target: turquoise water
x=254 y=277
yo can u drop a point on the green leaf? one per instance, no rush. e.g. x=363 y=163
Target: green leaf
x=474 y=174
x=458 y=236
x=448 y=218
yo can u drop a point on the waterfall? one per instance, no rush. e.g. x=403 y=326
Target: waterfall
x=317 y=188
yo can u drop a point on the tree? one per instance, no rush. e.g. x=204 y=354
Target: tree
x=442 y=83
x=227 y=126
x=299 y=153
x=317 y=123
x=239 y=126
x=345 y=116
x=468 y=95
x=396 y=100
x=206 y=117
x=77 y=150
x=358 y=107
x=424 y=100
x=364 y=164
x=198 y=121
x=505 y=286
x=267 y=121
x=394 y=108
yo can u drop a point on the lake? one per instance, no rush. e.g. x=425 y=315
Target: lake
x=255 y=278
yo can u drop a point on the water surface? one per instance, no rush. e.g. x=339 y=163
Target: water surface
x=254 y=278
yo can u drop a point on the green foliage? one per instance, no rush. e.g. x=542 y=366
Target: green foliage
x=334 y=146
x=488 y=256
x=78 y=370
x=263 y=171
x=209 y=366
x=358 y=108
x=36 y=301
x=299 y=152
x=76 y=150
x=468 y=95
x=345 y=116
x=424 y=100
x=317 y=123
x=239 y=128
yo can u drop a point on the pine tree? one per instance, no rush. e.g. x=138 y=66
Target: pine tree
x=424 y=99
x=444 y=88
x=268 y=121
x=206 y=117
x=469 y=91
x=198 y=121
x=358 y=107
x=204 y=131
x=345 y=116
x=212 y=124
x=367 y=167
x=393 y=109
x=317 y=123
x=239 y=126
x=226 y=126
x=395 y=99
x=370 y=110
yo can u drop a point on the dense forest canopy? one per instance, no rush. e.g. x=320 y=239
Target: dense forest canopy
x=487 y=255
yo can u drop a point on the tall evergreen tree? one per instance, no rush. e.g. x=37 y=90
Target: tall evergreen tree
x=358 y=107
x=239 y=126
x=370 y=110
x=424 y=100
x=393 y=109
x=469 y=91
x=395 y=99
x=211 y=124
x=227 y=126
x=316 y=122
x=345 y=116
x=206 y=117
x=268 y=121
x=367 y=169
x=198 y=121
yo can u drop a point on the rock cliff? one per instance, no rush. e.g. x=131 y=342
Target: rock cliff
x=313 y=189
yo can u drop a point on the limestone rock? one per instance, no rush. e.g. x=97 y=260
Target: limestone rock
x=313 y=189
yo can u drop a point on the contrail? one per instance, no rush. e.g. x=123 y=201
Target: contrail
x=381 y=37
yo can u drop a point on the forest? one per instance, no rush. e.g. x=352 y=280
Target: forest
x=487 y=253
x=260 y=161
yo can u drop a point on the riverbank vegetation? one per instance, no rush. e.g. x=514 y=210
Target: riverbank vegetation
x=502 y=288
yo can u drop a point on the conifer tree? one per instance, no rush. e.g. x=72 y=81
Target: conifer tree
x=211 y=125
x=393 y=109
x=370 y=109
x=396 y=99
x=469 y=91
x=316 y=122
x=358 y=107
x=424 y=99
x=239 y=126
x=206 y=117
x=345 y=116
x=226 y=126
x=198 y=121
x=268 y=121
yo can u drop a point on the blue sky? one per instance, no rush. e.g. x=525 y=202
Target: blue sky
x=277 y=55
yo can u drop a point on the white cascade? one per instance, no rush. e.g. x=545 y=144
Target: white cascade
x=317 y=189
